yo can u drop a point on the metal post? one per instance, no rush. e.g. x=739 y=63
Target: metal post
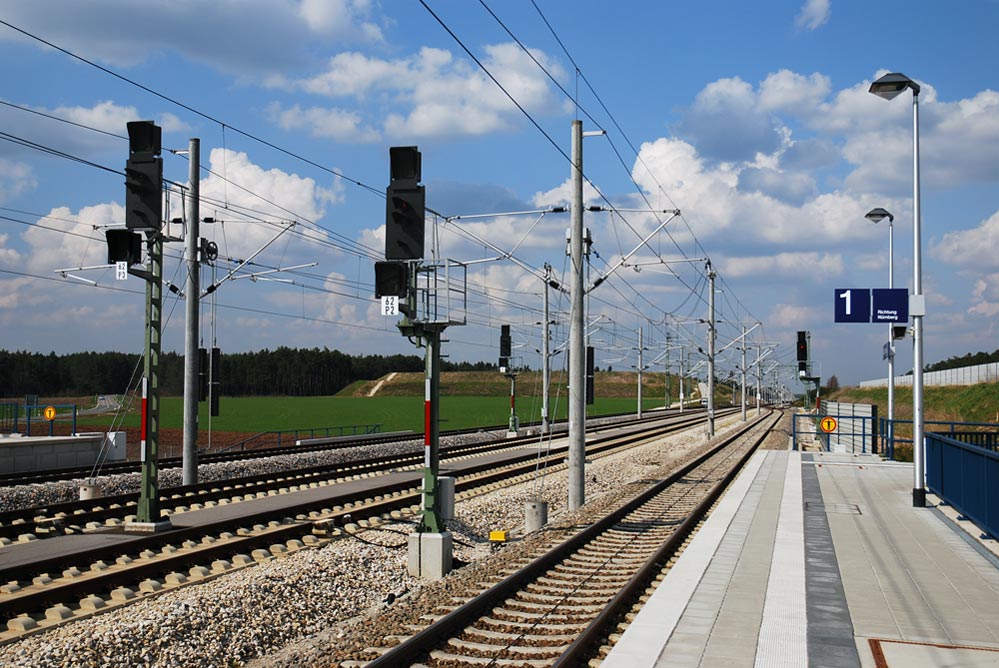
x=759 y=380
x=577 y=355
x=148 y=510
x=711 y=351
x=918 y=490
x=192 y=299
x=666 y=374
x=431 y=521
x=639 y=373
x=514 y=425
x=682 y=398
x=743 y=373
x=545 y=361
x=891 y=328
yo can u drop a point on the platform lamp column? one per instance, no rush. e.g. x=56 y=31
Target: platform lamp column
x=876 y=216
x=888 y=87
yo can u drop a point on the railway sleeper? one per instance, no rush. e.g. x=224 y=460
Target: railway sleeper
x=574 y=628
x=490 y=650
x=566 y=607
x=543 y=584
x=562 y=617
x=534 y=638
x=449 y=659
x=583 y=596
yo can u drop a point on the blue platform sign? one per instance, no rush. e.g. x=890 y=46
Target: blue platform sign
x=853 y=305
x=890 y=305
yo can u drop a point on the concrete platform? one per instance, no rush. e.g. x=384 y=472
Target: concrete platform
x=820 y=560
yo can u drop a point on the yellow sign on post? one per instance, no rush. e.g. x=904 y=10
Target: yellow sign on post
x=828 y=424
x=49 y=413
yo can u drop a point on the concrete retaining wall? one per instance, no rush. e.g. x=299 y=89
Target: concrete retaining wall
x=20 y=453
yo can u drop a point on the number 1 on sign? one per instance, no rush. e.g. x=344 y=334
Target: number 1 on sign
x=845 y=296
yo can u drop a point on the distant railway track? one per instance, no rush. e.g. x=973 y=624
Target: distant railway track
x=96 y=567
x=558 y=609
x=335 y=443
x=75 y=516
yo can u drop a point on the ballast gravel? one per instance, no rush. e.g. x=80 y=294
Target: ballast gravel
x=310 y=607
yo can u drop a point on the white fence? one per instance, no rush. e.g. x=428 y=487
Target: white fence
x=966 y=375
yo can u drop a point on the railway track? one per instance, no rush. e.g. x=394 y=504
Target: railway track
x=334 y=443
x=109 y=568
x=76 y=516
x=558 y=609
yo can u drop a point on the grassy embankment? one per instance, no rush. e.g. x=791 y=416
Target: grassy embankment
x=467 y=400
x=950 y=403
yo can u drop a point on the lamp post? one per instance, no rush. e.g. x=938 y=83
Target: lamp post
x=876 y=216
x=890 y=86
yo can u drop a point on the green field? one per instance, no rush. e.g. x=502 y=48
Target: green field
x=257 y=414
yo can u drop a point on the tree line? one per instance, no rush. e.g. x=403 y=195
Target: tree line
x=284 y=371
x=969 y=359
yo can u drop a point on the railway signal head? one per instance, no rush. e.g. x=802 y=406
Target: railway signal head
x=143 y=177
x=404 y=223
x=405 y=205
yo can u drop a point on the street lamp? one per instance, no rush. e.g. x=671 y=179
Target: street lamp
x=876 y=216
x=890 y=86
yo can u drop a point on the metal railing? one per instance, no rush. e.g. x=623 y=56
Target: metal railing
x=10 y=414
x=984 y=434
x=967 y=477
x=855 y=434
x=276 y=438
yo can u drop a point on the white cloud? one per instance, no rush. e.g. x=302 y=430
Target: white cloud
x=242 y=36
x=792 y=316
x=270 y=192
x=339 y=18
x=15 y=179
x=972 y=248
x=343 y=126
x=84 y=245
x=726 y=122
x=812 y=14
x=986 y=297
x=794 y=187
x=805 y=266
x=442 y=95
x=789 y=91
x=8 y=256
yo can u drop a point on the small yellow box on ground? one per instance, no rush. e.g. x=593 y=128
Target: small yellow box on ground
x=497 y=536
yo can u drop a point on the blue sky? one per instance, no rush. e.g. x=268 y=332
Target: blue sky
x=752 y=118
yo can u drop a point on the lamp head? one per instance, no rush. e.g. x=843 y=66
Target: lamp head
x=879 y=214
x=891 y=85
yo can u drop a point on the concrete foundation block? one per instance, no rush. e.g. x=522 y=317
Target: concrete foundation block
x=535 y=515
x=430 y=555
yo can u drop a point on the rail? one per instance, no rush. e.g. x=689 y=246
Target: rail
x=967 y=477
